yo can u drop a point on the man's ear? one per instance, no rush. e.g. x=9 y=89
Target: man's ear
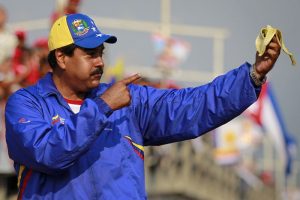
x=60 y=59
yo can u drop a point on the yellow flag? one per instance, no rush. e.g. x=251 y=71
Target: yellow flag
x=117 y=71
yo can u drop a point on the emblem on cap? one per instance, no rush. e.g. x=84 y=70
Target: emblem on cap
x=80 y=27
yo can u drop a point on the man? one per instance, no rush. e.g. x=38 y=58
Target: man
x=73 y=138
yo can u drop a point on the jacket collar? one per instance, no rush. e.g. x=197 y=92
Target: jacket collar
x=46 y=86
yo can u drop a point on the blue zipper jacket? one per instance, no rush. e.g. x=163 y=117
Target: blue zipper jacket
x=98 y=153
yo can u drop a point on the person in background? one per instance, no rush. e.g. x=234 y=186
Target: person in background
x=64 y=8
x=26 y=60
x=19 y=50
x=8 y=84
x=8 y=40
x=41 y=46
x=71 y=137
x=20 y=56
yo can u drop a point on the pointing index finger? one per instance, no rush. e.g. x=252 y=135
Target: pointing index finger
x=131 y=79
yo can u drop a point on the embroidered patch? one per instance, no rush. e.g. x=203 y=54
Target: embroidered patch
x=23 y=120
x=57 y=119
x=80 y=27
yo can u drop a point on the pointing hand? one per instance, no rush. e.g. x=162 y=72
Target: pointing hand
x=118 y=96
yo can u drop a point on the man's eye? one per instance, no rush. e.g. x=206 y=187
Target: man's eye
x=94 y=55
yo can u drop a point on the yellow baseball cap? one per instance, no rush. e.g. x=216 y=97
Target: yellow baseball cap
x=77 y=29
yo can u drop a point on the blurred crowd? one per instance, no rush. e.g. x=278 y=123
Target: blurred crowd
x=21 y=65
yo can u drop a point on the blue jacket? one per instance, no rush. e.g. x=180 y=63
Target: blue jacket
x=98 y=153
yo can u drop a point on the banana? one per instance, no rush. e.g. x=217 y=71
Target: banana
x=264 y=38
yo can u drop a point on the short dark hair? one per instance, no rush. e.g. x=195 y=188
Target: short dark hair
x=67 y=50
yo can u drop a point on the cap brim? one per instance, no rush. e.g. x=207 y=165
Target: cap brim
x=95 y=41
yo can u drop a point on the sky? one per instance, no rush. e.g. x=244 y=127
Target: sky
x=242 y=20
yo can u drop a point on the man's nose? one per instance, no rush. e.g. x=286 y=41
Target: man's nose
x=98 y=61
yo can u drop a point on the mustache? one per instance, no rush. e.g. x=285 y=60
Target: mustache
x=97 y=71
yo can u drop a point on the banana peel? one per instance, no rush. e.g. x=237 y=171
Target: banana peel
x=264 y=38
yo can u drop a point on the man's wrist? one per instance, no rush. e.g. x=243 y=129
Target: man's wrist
x=257 y=78
x=103 y=106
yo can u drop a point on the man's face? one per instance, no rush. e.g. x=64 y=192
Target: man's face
x=84 y=69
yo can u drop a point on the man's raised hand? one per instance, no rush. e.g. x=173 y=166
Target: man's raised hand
x=118 y=96
x=265 y=63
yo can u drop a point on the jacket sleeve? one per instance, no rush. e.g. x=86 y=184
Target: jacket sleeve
x=166 y=116
x=34 y=142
